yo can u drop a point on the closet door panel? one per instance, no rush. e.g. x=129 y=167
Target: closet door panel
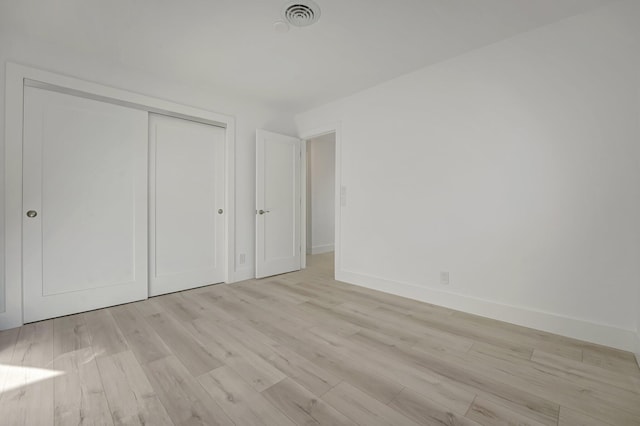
x=187 y=204
x=85 y=204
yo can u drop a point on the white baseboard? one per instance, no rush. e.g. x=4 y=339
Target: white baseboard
x=571 y=327
x=7 y=320
x=322 y=249
x=244 y=274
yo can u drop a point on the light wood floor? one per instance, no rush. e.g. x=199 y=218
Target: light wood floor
x=303 y=349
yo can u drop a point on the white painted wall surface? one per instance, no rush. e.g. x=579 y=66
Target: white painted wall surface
x=637 y=348
x=637 y=337
x=249 y=116
x=321 y=193
x=513 y=167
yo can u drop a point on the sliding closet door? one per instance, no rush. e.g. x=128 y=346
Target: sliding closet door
x=85 y=204
x=186 y=204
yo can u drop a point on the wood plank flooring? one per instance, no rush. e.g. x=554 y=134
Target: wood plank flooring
x=304 y=349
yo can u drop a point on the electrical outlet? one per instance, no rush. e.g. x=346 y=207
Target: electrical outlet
x=242 y=258
x=444 y=278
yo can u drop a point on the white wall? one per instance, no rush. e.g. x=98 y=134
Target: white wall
x=248 y=117
x=637 y=349
x=637 y=337
x=321 y=173
x=515 y=168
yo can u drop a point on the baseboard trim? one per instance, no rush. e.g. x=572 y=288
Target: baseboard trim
x=8 y=321
x=571 y=327
x=244 y=274
x=322 y=249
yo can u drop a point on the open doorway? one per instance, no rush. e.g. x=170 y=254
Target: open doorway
x=320 y=199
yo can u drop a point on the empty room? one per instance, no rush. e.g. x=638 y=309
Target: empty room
x=320 y=212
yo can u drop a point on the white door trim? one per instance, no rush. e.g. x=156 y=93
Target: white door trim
x=303 y=203
x=305 y=136
x=16 y=77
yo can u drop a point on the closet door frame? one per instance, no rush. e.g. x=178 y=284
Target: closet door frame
x=19 y=76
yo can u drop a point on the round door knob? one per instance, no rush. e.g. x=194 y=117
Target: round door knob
x=32 y=213
x=263 y=211
x=220 y=211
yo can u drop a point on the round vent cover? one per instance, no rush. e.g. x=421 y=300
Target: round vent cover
x=301 y=13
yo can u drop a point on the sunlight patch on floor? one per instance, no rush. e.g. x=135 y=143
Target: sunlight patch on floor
x=14 y=377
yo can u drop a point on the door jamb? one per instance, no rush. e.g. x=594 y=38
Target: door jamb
x=305 y=136
x=16 y=78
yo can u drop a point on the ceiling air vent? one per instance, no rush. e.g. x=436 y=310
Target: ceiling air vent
x=301 y=13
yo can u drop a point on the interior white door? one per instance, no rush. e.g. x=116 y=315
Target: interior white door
x=85 y=204
x=186 y=204
x=277 y=204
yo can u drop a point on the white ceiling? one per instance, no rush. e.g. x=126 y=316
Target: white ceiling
x=230 y=45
